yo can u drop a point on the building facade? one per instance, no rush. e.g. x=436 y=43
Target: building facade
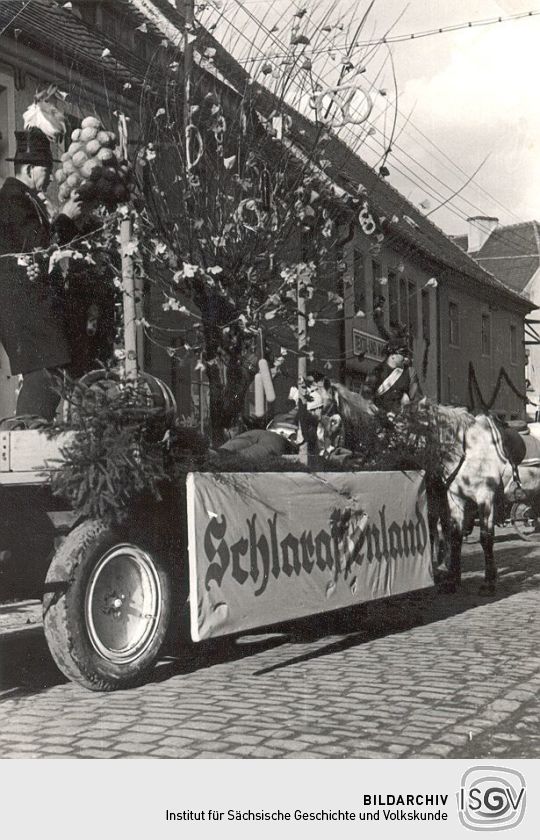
x=464 y=324
x=512 y=254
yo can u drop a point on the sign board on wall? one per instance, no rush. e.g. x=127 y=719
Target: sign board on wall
x=269 y=547
x=369 y=345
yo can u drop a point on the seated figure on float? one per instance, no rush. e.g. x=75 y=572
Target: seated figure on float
x=394 y=382
x=285 y=433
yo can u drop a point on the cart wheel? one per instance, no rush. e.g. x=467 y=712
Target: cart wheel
x=525 y=521
x=107 y=607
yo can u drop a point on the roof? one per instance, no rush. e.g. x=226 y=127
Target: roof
x=48 y=27
x=461 y=239
x=512 y=253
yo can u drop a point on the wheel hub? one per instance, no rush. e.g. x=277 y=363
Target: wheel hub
x=123 y=603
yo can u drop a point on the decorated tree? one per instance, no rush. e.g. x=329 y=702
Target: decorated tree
x=241 y=217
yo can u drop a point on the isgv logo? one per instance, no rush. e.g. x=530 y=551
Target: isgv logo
x=491 y=798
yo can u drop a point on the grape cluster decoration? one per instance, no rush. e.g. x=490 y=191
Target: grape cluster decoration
x=91 y=167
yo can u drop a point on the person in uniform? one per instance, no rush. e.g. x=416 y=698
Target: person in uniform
x=32 y=327
x=394 y=382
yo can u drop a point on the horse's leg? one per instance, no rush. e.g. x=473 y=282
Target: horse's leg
x=486 y=512
x=438 y=513
x=456 y=508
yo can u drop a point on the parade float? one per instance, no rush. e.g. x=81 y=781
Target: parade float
x=146 y=531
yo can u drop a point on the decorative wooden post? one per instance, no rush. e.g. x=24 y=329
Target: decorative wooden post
x=302 y=346
x=128 y=299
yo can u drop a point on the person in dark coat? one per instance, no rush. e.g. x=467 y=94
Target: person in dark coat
x=394 y=382
x=90 y=307
x=32 y=326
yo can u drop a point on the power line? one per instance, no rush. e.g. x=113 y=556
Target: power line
x=414 y=178
x=396 y=39
x=15 y=16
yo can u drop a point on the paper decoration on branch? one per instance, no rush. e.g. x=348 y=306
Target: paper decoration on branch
x=259 y=396
x=281 y=124
x=194 y=146
x=251 y=214
x=266 y=378
x=342 y=98
x=366 y=220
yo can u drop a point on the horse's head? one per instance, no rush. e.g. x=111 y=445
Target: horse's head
x=329 y=433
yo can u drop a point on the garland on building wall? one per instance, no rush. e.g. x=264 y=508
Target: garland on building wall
x=486 y=405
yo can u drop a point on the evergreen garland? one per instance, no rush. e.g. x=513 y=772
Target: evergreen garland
x=122 y=449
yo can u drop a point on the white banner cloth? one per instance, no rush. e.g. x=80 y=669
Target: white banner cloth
x=268 y=547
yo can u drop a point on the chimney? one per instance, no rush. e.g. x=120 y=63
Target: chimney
x=480 y=229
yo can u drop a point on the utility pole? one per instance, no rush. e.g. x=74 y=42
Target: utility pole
x=302 y=348
x=187 y=7
x=128 y=298
x=302 y=329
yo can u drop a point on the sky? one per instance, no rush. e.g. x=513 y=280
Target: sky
x=473 y=93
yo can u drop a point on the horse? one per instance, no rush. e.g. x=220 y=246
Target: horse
x=469 y=468
x=347 y=420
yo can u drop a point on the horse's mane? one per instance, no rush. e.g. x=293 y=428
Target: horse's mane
x=353 y=407
x=454 y=419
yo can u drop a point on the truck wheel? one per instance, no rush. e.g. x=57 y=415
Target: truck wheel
x=107 y=607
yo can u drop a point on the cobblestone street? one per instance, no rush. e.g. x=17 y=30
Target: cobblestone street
x=422 y=676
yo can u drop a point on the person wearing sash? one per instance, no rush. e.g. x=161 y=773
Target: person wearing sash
x=394 y=382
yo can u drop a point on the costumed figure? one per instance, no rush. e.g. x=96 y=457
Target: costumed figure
x=32 y=301
x=257 y=445
x=312 y=406
x=393 y=383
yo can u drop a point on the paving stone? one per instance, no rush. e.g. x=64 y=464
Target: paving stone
x=58 y=749
x=198 y=734
x=316 y=739
x=174 y=741
x=172 y=752
x=257 y=751
x=505 y=705
x=244 y=739
x=139 y=749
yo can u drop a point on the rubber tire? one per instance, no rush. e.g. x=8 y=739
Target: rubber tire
x=64 y=612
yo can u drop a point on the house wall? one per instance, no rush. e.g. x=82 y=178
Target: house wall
x=396 y=278
x=532 y=350
x=502 y=351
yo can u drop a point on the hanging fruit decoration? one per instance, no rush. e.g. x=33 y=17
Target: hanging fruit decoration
x=91 y=167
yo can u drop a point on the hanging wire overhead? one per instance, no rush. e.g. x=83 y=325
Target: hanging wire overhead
x=397 y=39
x=352 y=138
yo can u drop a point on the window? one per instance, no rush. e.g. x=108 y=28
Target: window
x=393 y=299
x=426 y=315
x=513 y=344
x=7 y=124
x=379 y=300
x=359 y=282
x=486 y=334
x=412 y=311
x=403 y=303
x=453 y=324
x=403 y=313
x=377 y=274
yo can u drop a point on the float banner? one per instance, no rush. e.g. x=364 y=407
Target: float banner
x=268 y=547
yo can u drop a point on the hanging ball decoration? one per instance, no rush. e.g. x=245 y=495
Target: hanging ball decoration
x=91 y=167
